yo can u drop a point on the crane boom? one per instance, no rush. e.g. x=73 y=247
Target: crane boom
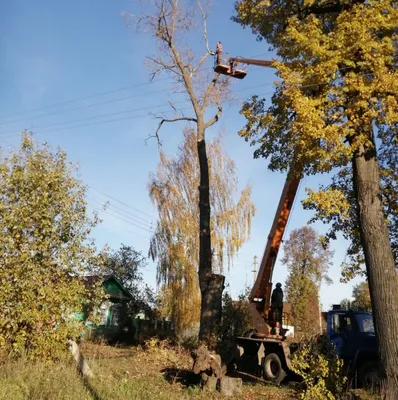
x=260 y=296
x=261 y=292
x=250 y=61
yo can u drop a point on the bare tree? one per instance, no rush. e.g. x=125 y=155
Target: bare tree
x=171 y=22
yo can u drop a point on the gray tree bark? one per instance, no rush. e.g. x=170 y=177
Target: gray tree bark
x=380 y=266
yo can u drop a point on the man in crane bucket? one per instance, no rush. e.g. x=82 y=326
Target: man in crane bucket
x=277 y=307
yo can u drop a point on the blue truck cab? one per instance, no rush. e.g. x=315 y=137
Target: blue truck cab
x=353 y=334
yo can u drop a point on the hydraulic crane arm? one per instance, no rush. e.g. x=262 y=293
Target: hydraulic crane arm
x=260 y=297
x=261 y=292
x=250 y=61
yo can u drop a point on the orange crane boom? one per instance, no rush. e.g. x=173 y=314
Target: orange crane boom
x=260 y=295
x=250 y=61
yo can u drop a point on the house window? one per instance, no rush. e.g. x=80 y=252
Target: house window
x=116 y=318
x=104 y=310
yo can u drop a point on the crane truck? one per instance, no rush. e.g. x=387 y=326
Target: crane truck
x=266 y=352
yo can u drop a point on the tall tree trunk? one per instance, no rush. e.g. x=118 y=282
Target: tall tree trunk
x=380 y=266
x=211 y=285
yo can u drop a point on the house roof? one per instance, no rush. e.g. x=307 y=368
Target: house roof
x=112 y=286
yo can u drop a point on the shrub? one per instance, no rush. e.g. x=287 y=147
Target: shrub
x=235 y=322
x=317 y=363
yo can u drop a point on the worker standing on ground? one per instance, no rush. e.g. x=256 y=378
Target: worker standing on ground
x=277 y=305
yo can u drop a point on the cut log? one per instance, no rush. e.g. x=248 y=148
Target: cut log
x=230 y=386
x=81 y=362
x=208 y=362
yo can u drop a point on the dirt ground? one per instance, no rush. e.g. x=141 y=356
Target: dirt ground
x=161 y=371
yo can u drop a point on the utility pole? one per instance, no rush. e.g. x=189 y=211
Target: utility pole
x=254 y=269
x=246 y=275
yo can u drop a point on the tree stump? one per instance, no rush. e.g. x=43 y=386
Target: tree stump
x=212 y=373
x=230 y=386
x=208 y=383
x=205 y=361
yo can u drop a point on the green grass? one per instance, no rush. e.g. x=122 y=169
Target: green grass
x=119 y=374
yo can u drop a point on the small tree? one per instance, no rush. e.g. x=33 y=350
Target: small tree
x=361 y=301
x=44 y=248
x=307 y=261
x=171 y=22
x=361 y=296
x=126 y=264
x=175 y=244
x=236 y=321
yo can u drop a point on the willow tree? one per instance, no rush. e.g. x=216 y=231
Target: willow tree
x=176 y=244
x=338 y=100
x=171 y=22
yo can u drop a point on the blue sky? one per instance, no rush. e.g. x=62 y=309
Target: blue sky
x=74 y=74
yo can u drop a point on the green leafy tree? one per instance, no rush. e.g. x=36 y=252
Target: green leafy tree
x=307 y=260
x=337 y=102
x=361 y=298
x=126 y=264
x=235 y=322
x=45 y=246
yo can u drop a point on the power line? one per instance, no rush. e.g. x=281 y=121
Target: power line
x=148 y=107
x=79 y=108
x=83 y=98
x=126 y=221
x=148 y=224
x=110 y=120
x=102 y=94
x=101 y=116
x=127 y=230
x=115 y=113
x=121 y=202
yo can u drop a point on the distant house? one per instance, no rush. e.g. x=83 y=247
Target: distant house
x=112 y=311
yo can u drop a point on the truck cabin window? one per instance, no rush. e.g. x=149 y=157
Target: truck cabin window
x=341 y=324
x=365 y=323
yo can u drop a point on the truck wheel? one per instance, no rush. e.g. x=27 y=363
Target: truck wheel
x=273 y=370
x=368 y=375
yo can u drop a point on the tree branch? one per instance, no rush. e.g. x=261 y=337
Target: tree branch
x=163 y=66
x=211 y=86
x=156 y=134
x=332 y=7
x=208 y=51
x=215 y=118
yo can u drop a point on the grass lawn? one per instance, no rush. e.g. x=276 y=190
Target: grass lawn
x=156 y=373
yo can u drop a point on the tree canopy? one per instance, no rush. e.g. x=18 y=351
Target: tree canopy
x=45 y=246
x=175 y=245
x=361 y=298
x=339 y=74
x=336 y=107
